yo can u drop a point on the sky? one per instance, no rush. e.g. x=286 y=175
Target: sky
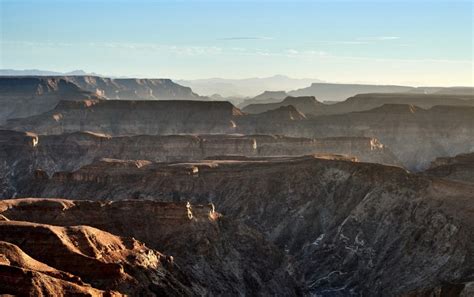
x=416 y=42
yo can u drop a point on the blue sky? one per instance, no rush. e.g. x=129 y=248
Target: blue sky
x=402 y=42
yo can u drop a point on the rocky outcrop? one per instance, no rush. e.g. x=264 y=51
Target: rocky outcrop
x=209 y=256
x=460 y=167
x=352 y=228
x=26 y=96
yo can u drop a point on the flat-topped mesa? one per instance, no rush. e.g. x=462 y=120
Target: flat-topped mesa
x=124 y=117
x=26 y=96
x=134 y=88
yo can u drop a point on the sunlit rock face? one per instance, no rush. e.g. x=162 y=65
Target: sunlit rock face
x=201 y=248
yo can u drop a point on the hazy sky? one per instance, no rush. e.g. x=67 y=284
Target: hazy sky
x=401 y=42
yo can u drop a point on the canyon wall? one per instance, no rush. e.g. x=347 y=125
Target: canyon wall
x=351 y=228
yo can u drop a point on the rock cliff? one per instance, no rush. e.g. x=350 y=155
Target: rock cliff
x=352 y=228
x=22 y=155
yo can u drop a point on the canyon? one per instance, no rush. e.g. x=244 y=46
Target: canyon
x=415 y=135
x=346 y=227
x=106 y=196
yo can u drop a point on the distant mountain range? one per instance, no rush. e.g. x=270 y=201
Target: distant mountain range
x=247 y=87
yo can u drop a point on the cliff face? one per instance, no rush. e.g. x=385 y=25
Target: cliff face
x=26 y=96
x=416 y=136
x=351 y=228
x=205 y=248
x=119 y=117
x=134 y=88
x=21 y=154
x=460 y=167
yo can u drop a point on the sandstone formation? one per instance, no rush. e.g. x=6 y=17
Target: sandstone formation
x=25 y=96
x=210 y=256
x=352 y=228
x=460 y=167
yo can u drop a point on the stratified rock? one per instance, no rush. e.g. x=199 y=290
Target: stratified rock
x=24 y=156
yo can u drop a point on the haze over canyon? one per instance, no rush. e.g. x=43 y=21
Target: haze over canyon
x=236 y=148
